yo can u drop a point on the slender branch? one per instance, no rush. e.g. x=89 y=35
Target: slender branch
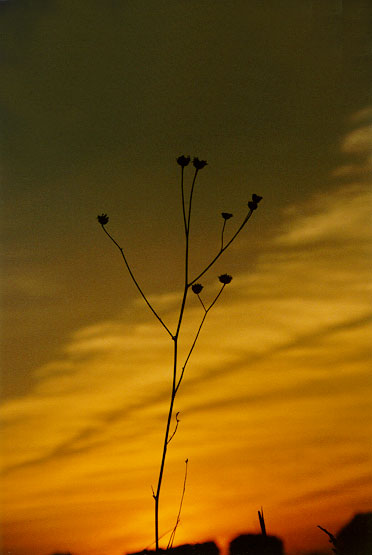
x=223 y=229
x=223 y=249
x=183 y=200
x=196 y=336
x=190 y=201
x=203 y=305
x=175 y=429
x=186 y=288
x=217 y=296
x=172 y=536
x=136 y=282
x=160 y=537
x=187 y=236
x=191 y=350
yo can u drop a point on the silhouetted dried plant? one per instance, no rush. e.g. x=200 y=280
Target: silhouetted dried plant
x=189 y=283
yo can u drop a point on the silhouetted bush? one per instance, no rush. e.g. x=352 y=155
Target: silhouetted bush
x=256 y=544
x=207 y=548
x=355 y=538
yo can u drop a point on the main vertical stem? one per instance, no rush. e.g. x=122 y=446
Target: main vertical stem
x=175 y=340
x=165 y=445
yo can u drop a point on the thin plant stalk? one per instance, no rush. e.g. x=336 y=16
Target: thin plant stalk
x=178 y=519
x=175 y=352
x=222 y=232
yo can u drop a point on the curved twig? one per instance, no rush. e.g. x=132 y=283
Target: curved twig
x=171 y=539
x=175 y=429
x=223 y=230
x=136 y=282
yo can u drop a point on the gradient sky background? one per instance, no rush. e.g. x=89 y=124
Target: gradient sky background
x=98 y=99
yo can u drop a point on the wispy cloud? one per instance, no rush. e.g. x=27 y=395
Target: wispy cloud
x=342 y=215
x=357 y=146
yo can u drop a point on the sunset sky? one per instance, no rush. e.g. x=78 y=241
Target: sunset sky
x=98 y=99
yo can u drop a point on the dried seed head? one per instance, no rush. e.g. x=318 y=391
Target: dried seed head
x=183 y=160
x=199 y=164
x=252 y=204
x=196 y=288
x=225 y=278
x=103 y=219
x=256 y=198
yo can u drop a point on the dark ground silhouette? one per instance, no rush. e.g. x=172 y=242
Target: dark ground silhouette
x=207 y=548
x=246 y=544
x=355 y=538
x=256 y=544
